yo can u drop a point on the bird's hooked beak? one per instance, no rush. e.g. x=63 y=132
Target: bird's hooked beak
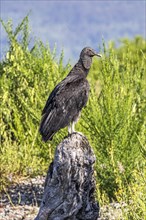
x=98 y=55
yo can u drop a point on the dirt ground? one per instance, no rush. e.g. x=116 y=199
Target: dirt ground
x=21 y=201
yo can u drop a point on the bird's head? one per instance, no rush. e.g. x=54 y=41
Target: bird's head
x=88 y=51
x=86 y=56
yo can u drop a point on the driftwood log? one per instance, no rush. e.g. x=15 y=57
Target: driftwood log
x=70 y=183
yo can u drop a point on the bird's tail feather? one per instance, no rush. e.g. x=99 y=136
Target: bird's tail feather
x=45 y=129
x=48 y=137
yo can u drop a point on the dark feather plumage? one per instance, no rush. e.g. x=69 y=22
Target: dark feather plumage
x=68 y=97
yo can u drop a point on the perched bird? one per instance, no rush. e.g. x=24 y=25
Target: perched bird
x=66 y=101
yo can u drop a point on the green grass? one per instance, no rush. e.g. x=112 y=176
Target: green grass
x=114 y=119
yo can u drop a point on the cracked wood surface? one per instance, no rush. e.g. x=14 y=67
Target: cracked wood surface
x=70 y=183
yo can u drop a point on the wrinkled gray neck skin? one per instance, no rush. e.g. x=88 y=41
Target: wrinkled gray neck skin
x=86 y=61
x=82 y=66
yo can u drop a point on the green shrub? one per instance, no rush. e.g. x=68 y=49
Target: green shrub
x=27 y=78
x=113 y=120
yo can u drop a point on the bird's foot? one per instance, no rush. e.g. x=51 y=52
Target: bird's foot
x=75 y=132
x=71 y=129
x=79 y=133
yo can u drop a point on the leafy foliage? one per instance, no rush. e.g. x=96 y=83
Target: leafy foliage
x=114 y=119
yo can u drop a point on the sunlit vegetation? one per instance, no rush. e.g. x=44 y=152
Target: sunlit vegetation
x=114 y=119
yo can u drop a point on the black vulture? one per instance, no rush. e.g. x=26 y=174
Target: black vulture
x=66 y=101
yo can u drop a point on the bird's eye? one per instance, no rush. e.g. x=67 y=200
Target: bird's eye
x=91 y=53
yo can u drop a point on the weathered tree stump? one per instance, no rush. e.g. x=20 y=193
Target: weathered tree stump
x=70 y=183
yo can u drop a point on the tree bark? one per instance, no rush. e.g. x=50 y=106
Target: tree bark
x=70 y=183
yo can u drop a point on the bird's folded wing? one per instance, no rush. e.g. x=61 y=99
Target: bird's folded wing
x=64 y=103
x=60 y=90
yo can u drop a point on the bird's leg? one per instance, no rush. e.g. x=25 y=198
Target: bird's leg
x=71 y=127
